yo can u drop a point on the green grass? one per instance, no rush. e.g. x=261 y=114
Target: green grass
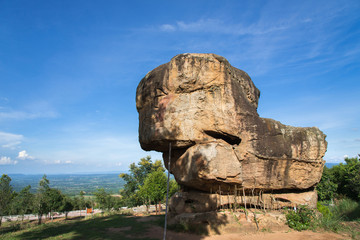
x=95 y=228
x=343 y=217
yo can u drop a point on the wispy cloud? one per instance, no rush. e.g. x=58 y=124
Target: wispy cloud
x=220 y=27
x=306 y=36
x=22 y=115
x=7 y=161
x=57 y=162
x=31 y=110
x=10 y=140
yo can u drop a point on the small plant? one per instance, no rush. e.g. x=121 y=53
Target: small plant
x=302 y=219
x=236 y=218
x=266 y=230
x=324 y=210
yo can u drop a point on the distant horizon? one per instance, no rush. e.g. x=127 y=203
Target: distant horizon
x=71 y=173
x=111 y=172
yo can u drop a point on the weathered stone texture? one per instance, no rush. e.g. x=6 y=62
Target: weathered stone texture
x=207 y=109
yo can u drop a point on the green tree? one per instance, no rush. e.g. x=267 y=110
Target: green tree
x=54 y=199
x=6 y=194
x=67 y=206
x=23 y=202
x=327 y=188
x=173 y=187
x=342 y=180
x=136 y=178
x=81 y=201
x=41 y=205
x=104 y=199
x=155 y=187
x=348 y=178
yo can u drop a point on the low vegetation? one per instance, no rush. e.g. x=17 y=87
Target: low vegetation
x=301 y=219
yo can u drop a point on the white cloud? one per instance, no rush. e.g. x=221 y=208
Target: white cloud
x=10 y=140
x=7 y=161
x=68 y=162
x=118 y=164
x=24 y=155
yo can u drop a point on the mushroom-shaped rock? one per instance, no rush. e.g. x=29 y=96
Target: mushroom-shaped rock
x=207 y=110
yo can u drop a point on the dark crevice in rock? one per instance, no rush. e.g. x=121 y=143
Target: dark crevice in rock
x=279 y=191
x=282 y=199
x=230 y=139
x=189 y=201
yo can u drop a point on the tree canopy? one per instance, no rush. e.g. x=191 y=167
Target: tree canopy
x=341 y=180
x=136 y=178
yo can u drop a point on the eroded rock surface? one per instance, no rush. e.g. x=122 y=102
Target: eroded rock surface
x=207 y=109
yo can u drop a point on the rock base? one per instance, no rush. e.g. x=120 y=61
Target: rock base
x=200 y=202
x=229 y=222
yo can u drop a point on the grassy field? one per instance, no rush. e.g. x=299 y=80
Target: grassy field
x=106 y=227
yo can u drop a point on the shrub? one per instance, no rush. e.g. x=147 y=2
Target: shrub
x=302 y=219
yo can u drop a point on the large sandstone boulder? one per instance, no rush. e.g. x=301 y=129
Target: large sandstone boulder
x=207 y=110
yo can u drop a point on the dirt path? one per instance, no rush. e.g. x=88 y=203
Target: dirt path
x=157 y=233
x=293 y=235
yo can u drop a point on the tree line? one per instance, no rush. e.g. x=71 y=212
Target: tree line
x=48 y=200
x=146 y=184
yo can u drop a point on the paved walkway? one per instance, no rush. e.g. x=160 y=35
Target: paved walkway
x=71 y=214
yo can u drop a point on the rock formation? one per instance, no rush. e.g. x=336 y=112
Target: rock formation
x=207 y=110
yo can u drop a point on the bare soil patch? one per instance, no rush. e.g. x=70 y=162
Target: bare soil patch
x=118 y=230
x=157 y=233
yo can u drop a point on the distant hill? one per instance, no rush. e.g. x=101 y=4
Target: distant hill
x=70 y=184
x=330 y=165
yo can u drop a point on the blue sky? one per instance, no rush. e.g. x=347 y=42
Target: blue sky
x=69 y=72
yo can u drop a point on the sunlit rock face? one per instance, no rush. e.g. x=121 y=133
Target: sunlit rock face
x=207 y=109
